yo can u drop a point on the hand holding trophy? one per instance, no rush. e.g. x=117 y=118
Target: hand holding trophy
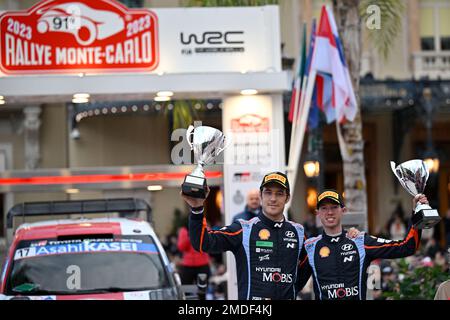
x=413 y=176
x=207 y=143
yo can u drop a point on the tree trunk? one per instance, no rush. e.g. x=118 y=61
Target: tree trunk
x=352 y=147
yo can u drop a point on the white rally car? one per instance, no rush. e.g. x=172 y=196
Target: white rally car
x=101 y=258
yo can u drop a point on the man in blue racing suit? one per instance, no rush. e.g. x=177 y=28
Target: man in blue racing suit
x=338 y=263
x=268 y=248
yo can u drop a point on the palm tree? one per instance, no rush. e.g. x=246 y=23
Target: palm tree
x=350 y=15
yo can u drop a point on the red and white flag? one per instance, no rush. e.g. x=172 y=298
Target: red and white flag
x=328 y=57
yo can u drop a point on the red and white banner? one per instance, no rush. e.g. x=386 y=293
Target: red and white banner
x=64 y=36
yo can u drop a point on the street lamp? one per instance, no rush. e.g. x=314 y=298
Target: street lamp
x=432 y=161
x=311 y=168
x=311 y=198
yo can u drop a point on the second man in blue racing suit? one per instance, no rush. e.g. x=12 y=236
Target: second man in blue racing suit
x=338 y=263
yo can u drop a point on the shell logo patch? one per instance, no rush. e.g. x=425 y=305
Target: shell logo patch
x=264 y=234
x=324 y=252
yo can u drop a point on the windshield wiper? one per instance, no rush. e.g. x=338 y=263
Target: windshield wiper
x=34 y=288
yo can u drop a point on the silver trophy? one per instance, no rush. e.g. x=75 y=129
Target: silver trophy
x=413 y=176
x=207 y=143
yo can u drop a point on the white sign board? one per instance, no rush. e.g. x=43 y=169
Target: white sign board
x=243 y=39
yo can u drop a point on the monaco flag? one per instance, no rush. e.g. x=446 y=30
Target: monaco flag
x=328 y=58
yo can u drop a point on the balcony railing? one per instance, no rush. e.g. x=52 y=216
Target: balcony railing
x=432 y=64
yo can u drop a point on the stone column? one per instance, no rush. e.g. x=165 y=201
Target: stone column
x=307 y=14
x=31 y=134
x=413 y=10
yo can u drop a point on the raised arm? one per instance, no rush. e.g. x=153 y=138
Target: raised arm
x=204 y=240
x=389 y=249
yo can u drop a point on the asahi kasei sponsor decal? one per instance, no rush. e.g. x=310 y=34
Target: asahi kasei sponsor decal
x=63 y=36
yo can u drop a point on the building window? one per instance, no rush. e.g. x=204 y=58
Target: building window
x=427 y=43
x=434 y=25
x=444 y=27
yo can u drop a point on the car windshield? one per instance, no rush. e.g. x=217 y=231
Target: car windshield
x=80 y=266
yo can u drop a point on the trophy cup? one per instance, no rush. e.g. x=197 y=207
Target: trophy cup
x=207 y=143
x=413 y=176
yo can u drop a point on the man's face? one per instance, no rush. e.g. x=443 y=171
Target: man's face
x=330 y=213
x=274 y=198
x=253 y=200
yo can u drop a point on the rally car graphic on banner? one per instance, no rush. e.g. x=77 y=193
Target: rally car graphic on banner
x=85 y=23
x=61 y=36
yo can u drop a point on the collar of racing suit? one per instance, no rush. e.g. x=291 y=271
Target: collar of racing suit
x=270 y=223
x=338 y=238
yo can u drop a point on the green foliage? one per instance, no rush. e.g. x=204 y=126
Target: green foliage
x=228 y=3
x=183 y=114
x=419 y=283
x=391 y=12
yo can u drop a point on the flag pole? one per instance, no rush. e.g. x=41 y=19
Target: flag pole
x=302 y=104
x=297 y=96
x=300 y=132
x=294 y=125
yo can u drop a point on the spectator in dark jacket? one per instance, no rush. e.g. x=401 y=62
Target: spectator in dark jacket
x=252 y=208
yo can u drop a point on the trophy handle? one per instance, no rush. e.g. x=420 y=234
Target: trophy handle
x=393 y=169
x=393 y=166
x=189 y=133
x=227 y=143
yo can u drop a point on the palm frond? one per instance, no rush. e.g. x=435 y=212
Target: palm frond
x=182 y=114
x=391 y=12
